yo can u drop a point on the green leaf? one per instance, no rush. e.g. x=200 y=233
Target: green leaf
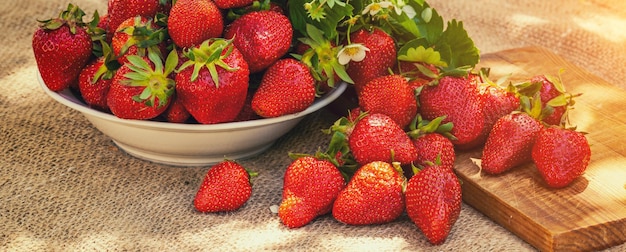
x=421 y=54
x=300 y=17
x=463 y=52
x=431 y=29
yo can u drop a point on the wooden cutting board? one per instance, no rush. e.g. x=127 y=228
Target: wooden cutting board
x=590 y=214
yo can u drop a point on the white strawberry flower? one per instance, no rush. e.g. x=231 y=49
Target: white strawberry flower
x=352 y=52
x=401 y=7
x=375 y=7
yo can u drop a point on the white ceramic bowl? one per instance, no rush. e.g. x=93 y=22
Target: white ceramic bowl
x=190 y=144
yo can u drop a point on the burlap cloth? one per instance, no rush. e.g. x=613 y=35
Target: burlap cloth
x=65 y=186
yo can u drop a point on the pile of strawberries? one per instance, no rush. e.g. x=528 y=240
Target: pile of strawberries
x=417 y=98
x=183 y=63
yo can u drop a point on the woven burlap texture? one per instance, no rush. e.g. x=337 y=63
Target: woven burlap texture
x=64 y=186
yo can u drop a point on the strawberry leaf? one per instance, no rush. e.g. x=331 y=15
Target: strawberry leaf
x=463 y=52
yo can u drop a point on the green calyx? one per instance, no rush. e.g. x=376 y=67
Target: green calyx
x=72 y=17
x=210 y=54
x=144 y=36
x=419 y=127
x=322 y=58
x=109 y=66
x=156 y=82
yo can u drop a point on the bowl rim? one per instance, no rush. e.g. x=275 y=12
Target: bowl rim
x=67 y=98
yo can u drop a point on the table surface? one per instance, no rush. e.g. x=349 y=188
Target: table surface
x=65 y=186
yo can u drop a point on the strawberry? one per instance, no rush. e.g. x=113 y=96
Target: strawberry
x=551 y=89
x=142 y=89
x=317 y=52
x=176 y=111
x=62 y=47
x=119 y=11
x=247 y=113
x=212 y=84
x=311 y=185
x=380 y=57
x=433 y=202
x=561 y=155
x=555 y=100
x=390 y=95
x=191 y=22
x=225 y=187
x=229 y=4
x=497 y=102
x=95 y=79
x=374 y=195
x=377 y=137
x=287 y=87
x=138 y=36
x=510 y=142
x=432 y=141
x=458 y=99
x=262 y=37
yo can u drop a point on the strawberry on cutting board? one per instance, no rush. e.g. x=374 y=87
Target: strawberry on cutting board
x=510 y=142
x=225 y=187
x=561 y=155
x=62 y=47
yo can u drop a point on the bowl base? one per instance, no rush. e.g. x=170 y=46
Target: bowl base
x=187 y=161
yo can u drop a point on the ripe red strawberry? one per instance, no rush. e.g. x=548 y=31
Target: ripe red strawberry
x=433 y=202
x=95 y=79
x=217 y=95
x=497 y=102
x=176 y=111
x=191 y=22
x=561 y=155
x=390 y=95
x=555 y=100
x=142 y=89
x=510 y=142
x=458 y=99
x=432 y=141
x=263 y=37
x=247 y=113
x=377 y=137
x=119 y=11
x=225 y=187
x=287 y=87
x=380 y=57
x=138 y=36
x=310 y=187
x=229 y=4
x=374 y=195
x=62 y=47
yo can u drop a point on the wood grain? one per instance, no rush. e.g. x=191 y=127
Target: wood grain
x=590 y=214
